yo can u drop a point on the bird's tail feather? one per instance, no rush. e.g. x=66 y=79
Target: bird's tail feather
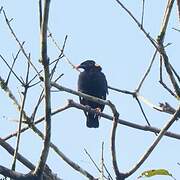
x=92 y=120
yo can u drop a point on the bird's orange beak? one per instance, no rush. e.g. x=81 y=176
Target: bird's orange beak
x=76 y=66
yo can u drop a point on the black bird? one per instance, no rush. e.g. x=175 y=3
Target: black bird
x=92 y=82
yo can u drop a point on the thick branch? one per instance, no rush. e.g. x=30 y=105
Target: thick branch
x=119 y=175
x=45 y=61
x=162 y=51
x=10 y=150
x=11 y=174
x=178 y=5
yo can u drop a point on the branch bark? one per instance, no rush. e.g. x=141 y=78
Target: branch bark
x=45 y=61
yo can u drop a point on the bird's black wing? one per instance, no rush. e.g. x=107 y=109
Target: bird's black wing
x=92 y=82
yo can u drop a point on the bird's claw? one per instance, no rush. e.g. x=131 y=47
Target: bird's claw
x=98 y=110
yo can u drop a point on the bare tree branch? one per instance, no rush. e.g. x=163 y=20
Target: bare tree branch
x=119 y=175
x=161 y=80
x=20 y=119
x=142 y=16
x=147 y=72
x=14 y=60
x=178 y=5
x=162 y=51
x=12 y=97
x=94 y=163
x=19 y=43
x=40 y=13
x=102 y=162
x=11 y=151
x=11 y=70
x=156 y=141
x=48 y=175
x=45 y=61
x=11 y=174
x=138 y=24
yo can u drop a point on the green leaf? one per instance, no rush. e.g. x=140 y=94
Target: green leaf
x=155 y=172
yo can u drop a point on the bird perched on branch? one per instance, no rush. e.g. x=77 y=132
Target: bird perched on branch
x=92 y=82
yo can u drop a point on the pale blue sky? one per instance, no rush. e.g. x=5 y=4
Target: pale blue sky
x=102 y=31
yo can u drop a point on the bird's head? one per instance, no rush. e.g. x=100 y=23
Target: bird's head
x=87 y=65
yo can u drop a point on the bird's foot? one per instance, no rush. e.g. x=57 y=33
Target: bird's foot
x=98 y=110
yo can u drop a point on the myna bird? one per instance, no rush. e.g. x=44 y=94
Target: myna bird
x=92 y=82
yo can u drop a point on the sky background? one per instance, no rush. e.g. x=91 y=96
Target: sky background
x=102 y=31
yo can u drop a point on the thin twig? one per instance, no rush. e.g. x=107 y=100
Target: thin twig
x=109 y=175
x=161 y=79
x=121 y=91
x=37 y=105
x=37 y=121
x=1 y=9
x=64 y=157
x=60 y=76
x=156 y=141
x=147 y=72
x=138 y=24
x=175 y=73
x=12 y=97
x=176 y=28
x=14 y=60
x=20 y=44
x=62 y=52
x=20 y=119
x=160 y=39
x=92 y=160
x=142 y=16
x=142 y=110
x=11 y=70
x=102 y=162
x=40 y=13
x=149 y=103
